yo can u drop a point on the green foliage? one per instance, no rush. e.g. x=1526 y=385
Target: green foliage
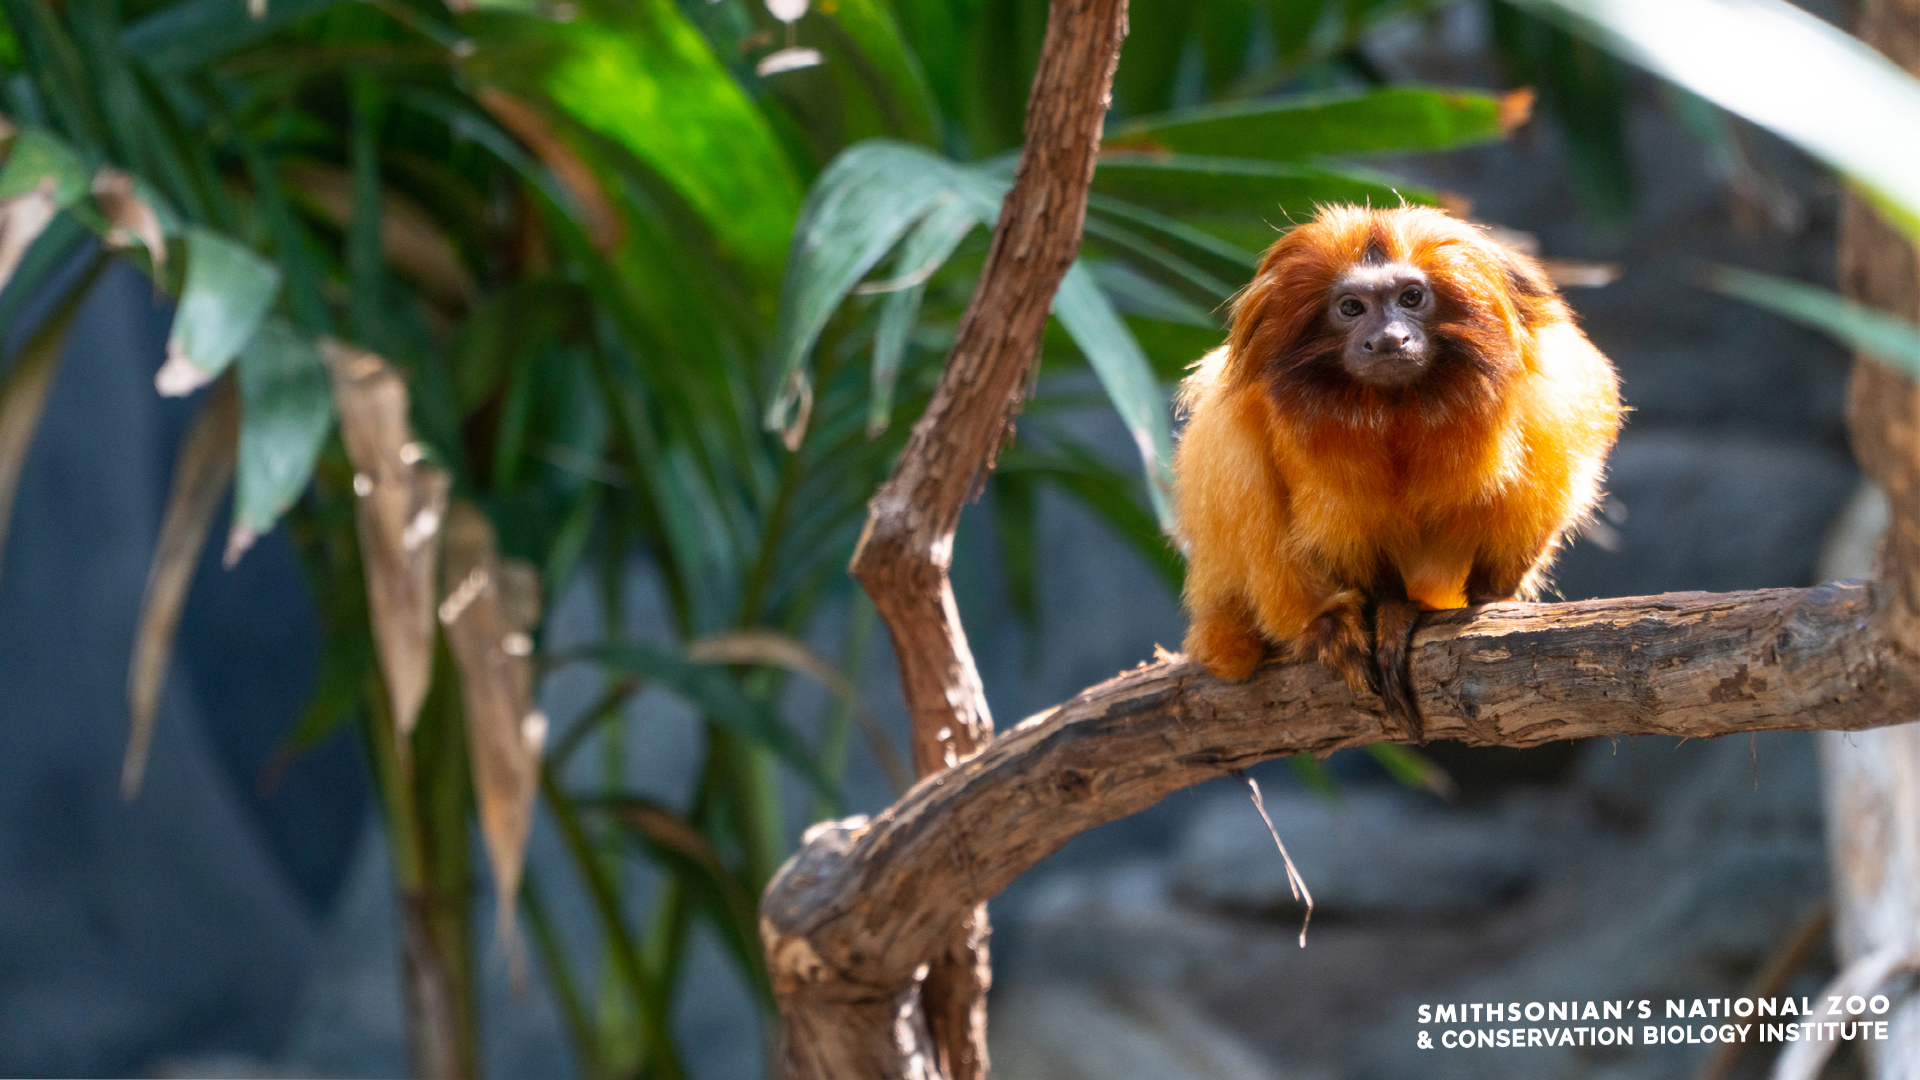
x=225 y=296
x=1395 y=120
x=39 y=158
x=1777 y=66
x=1892 y=341
x=1786 y=70
x=286 y=411
x=607 y=254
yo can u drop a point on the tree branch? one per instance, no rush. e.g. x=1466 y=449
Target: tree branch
x=907 y=546
x=849 y=922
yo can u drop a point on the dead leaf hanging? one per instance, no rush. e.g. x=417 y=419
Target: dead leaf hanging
x=22 y=219
x=130 y=218
x=489 y=610
x=401 y=500
x=200 y=476
x=23 y=396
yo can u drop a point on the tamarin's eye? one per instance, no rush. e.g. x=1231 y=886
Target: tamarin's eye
x=1352 y=308
x=1411 y=298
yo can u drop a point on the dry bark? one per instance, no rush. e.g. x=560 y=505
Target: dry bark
x=1872 y=781
x=852 y=919
x=907 y=546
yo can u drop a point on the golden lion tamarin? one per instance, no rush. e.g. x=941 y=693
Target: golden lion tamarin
x=1404 y=417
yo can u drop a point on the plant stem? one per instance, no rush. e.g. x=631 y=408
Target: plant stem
x=640 y=982
x=566 y=992
x=424 y=792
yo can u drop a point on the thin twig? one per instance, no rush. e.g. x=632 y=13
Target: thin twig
x=1294 y=881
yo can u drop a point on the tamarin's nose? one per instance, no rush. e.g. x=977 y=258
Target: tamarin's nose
x=1392 y=339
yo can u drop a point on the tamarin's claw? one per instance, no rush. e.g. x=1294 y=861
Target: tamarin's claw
x=1393 y=643
x=1337 y=638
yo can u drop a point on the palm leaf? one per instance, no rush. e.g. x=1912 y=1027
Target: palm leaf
x=1271 y=191
x=191 y=33
x=286 y=411
x=1127 y=377
x=708 y=688
x=924 y=251
x=227 y=292
x=859 y=208
x=1893 y=341
x=1396 y=120
x=1782 y=68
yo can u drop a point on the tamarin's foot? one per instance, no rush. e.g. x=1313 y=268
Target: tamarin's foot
x=1393 y=643
x=1228 y=647
x=1337 y=637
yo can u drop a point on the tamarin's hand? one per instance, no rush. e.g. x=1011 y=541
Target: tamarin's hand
x=1404 y=417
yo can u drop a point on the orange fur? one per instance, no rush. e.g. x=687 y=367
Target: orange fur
x=1302 y=492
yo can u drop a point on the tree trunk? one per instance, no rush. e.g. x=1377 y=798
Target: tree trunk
x=1873 y=777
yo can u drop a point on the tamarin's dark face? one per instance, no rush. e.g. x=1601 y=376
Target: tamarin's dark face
x=1381 y=312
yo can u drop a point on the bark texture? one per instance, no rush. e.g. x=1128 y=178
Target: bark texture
x=907 y=546
x=1872 y=779
x=851 y=920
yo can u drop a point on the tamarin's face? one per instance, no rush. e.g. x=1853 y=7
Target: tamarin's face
x=1381 y=312
x=1362 y=314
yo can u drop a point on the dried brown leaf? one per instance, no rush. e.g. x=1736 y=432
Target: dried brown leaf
x=22 y=220
x=602 y=221
x=24 y=395
x=1580 y=273
x=401 y=501
x=488 y=616
x=1516 y=108
x=409 y=236
x=200 y=476
x=519 y=593
x=129 y=215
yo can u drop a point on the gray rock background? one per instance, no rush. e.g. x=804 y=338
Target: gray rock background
x=211 y=929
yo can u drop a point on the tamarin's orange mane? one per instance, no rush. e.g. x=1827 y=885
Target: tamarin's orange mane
x=1488 y=300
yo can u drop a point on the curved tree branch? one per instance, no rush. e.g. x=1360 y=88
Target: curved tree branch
x=851 y=920
x=907 y=546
